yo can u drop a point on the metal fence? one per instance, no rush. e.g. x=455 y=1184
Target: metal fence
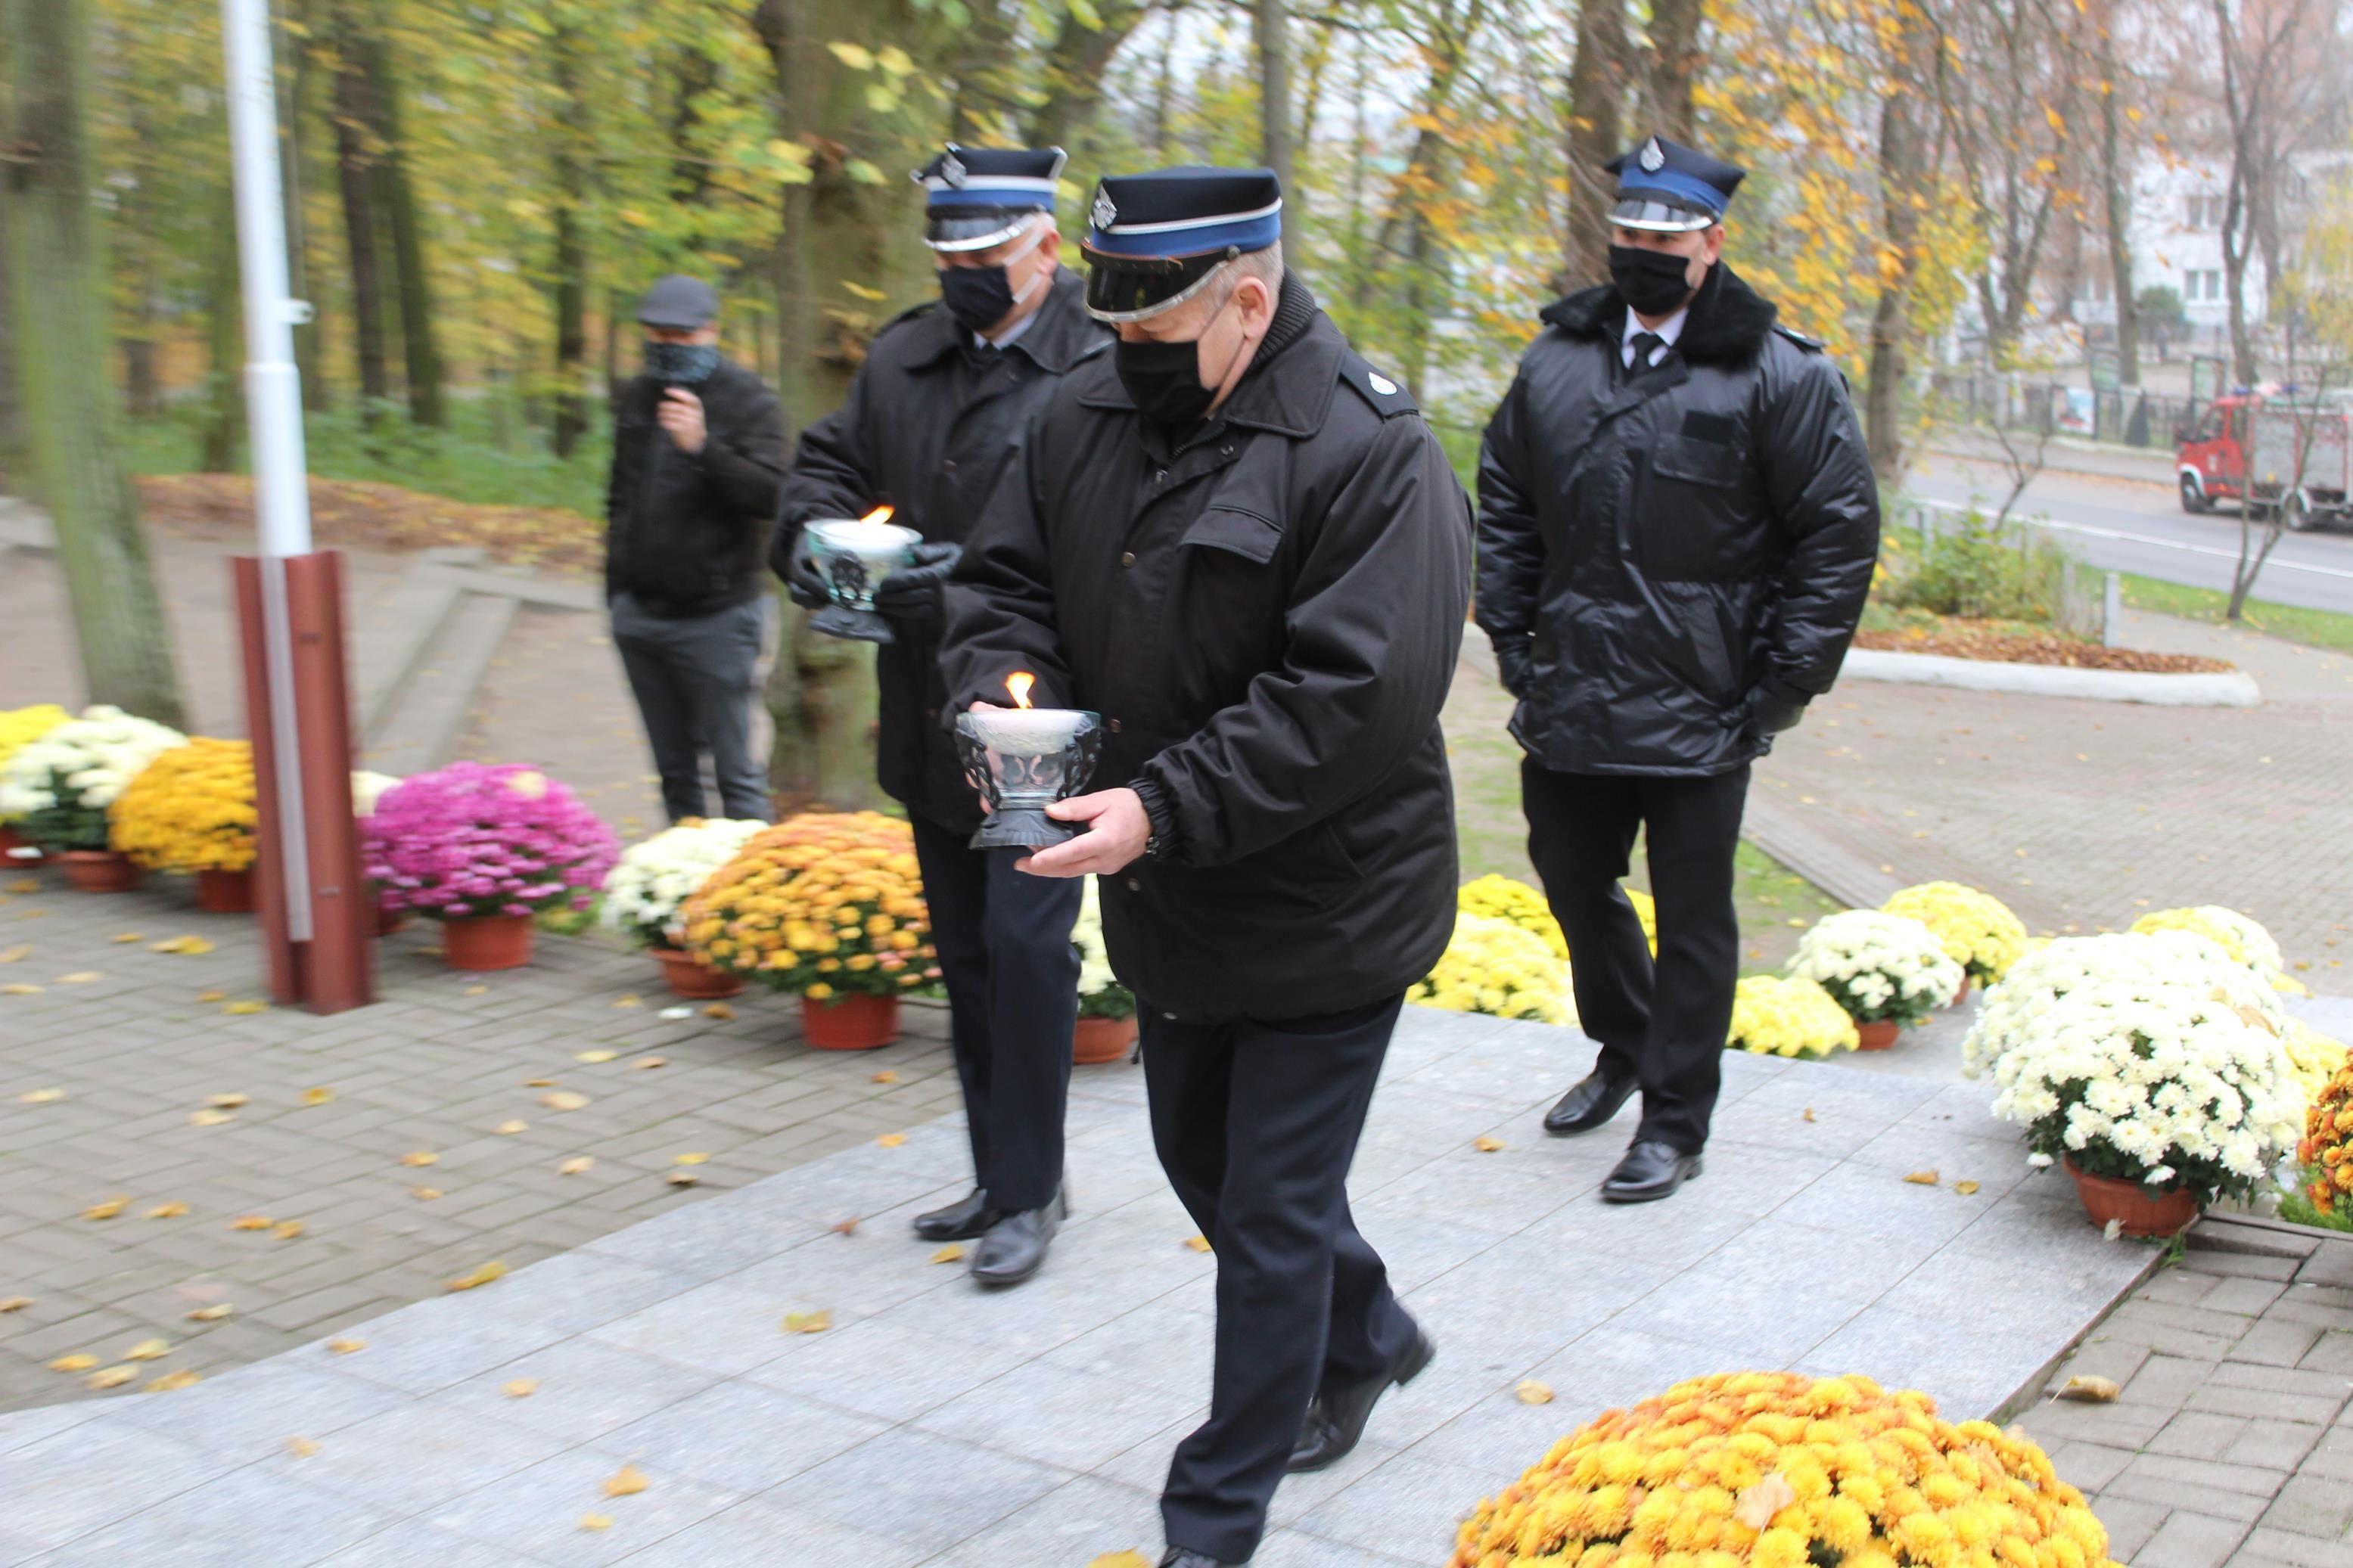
x=2130 y=416
x=2089 y=603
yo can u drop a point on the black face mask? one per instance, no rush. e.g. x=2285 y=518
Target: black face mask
x=681 y=364
x=1165 y=378
x=1653 y=281
x=977 y=297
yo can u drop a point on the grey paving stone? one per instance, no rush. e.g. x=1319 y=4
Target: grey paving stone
x=757 y=1534
x=1072 y=1419
x=538 y=1509
x=885 y=1370
x=1077 y=1522
x=2273 y=1342
x=413 y=1545
x=743 y=1437
x=420 y=1456
x=2312 y=1505
x=2286 y=1549
x=2159 y=1479
x=1409 y=1506
x=932 y=1491
x=2116 y=1360
x=2188 y=1539
x=2129 y=1524
x=585 y=1389
x=2276 y=1445
x=2261 y=1405
x=2088 y=1466
x=2244 y=1295
x=1296 y=1549
x=248 y=1414
x=720 y=1328
x=97 y=1473
x=2200 y=1435
x=2167 y=1379
x=2333 y=1351
x=244 y=1518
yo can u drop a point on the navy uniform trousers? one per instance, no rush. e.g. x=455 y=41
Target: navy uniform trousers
x=1256 y=1124
x=1004 y=941
x=1663 y=1022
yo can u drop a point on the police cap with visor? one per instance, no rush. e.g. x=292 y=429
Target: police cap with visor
x=1667 y=188
x=1154 y=240
x=975 y=197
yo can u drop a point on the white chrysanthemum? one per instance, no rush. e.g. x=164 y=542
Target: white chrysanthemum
x=650 y=882
x=85 y=761
x=1878 y=966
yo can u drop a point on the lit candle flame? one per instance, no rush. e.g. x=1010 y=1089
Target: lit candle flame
x=879 y=514
x=1018 y=683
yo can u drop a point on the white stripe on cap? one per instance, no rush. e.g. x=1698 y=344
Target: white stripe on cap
x=1214 y=222
x=993 y=182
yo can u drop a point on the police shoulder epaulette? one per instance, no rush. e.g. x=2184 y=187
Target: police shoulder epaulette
x=921 y=307
x=1811 y=345
x=1388 y=397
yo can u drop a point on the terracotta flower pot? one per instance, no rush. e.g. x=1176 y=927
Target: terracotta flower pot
x=487 y=942
x=225 y=892
x=858 y=1022
x=390 y=921
x=2106 y=1198
x=690 y=977
x=1102 y=1039
x=16 y=850
x=101 y=870
x=1878 y=1036
x=1962 y=994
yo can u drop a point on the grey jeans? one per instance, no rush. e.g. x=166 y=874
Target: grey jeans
x=693 y=678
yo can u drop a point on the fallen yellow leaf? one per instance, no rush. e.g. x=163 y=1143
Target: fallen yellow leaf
x=79 y=977
x=73 y=1364
x=301 y=1448
x=718 y=1010
x=891 y=1139
x=251 y=1222
x=519 y=1387
x=1198 y=1243
x=539 y=1083
x=1486 y=1145
x=563 y=1100
x=287 y=1230
x=1757 y=1506
x=40 y=1097
x=1965 y=1188
x=493 y=1269
x=108 y=1209
x=25 y=885
x=319 y=1096
x=593 y=1058
x=628 y=1481
x=148 y=1349
x=682 y=1178
x=886 y=1076
x=807 y=1322
x=1809 y=1113
x=1534 y=1393
x=212 y=1314
x=13 y=1304
x=630 y=1000
x=509 y=1128
x=210 y=995
x=953 y=1252
x=476 y=990
x=242 y=1009
x=345 y=1347
x=846 y=1227
x=693 y=1159
x=646 y=1064
x=120 y=936
x=17 y=954
x=192 y=945
x=595 y=1521
x=420 y=1157
x=1120 y=1560
x=579 y=1164
x=2088 y=1389
x=172 y=1210
x=112 y=1377
x=172 y=1381
x=20 y=988
x=209 y=1118
x=1923 y=1178
x=229 y=1101
x=423 y=1195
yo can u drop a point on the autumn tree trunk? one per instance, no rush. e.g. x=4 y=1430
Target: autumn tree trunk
x=1905 y=188
x=353 y=112
x=2116 y=201
x=571 y=421
x=56 y=273
x=1596 y=110
x=1674 y=66
x=12 y=417
x=1274 y=103
x=396 y=200
x=1075 y=63
x=224 y=427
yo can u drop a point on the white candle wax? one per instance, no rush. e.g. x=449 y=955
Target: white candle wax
x=865 y=538
x=1027 y=731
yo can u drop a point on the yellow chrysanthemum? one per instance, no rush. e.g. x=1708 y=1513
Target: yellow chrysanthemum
x=1495 y=967
x=824 y=904
x=20 y=725
x=2242 y=936
x=191 y=809
x=1978 y=930
x=2326 y=1150
x=1774 y=1016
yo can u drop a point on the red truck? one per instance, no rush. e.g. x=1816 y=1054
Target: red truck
x=2267 y=454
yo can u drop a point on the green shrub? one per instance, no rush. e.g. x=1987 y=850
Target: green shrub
x=1976 y=567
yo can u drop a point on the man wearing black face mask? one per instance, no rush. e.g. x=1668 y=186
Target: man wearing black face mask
x=698 y=446
x=1677 y=526
x=934 y=415
x=1239 y=543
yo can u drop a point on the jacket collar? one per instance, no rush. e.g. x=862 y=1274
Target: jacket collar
x=1289 y=387
x=1062 y=335
x=1729 y=320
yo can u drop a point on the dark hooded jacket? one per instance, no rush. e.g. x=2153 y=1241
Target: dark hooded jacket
x=931 y=423
x=1267 y=614
x=1660 y=550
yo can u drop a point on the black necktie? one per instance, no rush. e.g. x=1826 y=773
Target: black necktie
x=1645 y=345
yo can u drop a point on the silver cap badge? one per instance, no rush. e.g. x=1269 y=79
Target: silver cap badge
x=1653 y=157
x=1106 y=213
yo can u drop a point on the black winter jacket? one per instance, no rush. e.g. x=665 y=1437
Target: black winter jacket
x=686 y=534
x=1657 y=545
x=930 y=424
x=1267 y=616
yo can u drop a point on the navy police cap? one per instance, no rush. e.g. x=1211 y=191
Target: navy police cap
x=1153 y=239
x=978 y=197
x=1669 y=188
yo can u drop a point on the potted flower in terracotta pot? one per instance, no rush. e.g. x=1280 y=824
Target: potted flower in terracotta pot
x=1888 y=972
x=191 y=812
x=650 y=884
x=829 y=905
x=367 y=788
x=2241 y=938
x=2152 y=1067
x=1977 y=929
x=19 y=726
x=1493 y=966
x=1776 y=1017
x=1106 y=1008
x=57 y=787
x=483 y=849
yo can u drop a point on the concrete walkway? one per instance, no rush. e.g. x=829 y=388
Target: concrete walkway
x=932 y=1424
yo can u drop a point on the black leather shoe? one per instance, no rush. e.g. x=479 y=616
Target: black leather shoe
x=960 y=1221
x=1651 y=1171
x=1337 y=1417
x=1015 y=1247
x=1184 y=1557
x=1591 y=1103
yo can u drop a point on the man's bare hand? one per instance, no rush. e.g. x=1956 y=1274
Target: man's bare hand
x=1117 y=831
x=681 y=413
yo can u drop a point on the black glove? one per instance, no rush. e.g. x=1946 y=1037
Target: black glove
x=911 y=593
x=803 y=582
x=1512 y=664
x=1765 y=712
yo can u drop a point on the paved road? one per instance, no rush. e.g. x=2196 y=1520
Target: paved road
x=2129 y=525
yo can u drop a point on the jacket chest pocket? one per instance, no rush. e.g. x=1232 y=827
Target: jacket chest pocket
x=1687 y=523
x=1229 y=610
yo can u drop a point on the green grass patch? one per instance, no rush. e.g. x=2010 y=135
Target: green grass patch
x=2314 y=628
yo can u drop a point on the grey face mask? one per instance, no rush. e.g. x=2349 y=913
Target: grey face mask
x=681 y=364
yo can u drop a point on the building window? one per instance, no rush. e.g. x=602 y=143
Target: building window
x=2205 y=213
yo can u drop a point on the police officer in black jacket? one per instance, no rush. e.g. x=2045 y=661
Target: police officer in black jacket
x=698 y=446
x=934 y=416
x=1240 y=543
x=1677 y=526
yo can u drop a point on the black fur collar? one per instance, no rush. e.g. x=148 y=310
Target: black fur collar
x=1728 y=324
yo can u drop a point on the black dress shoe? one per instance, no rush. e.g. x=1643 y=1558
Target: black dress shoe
x=1015 y=1247
x=1651 y=1171
x=1184 y=1557
x=1592 y=1103
x=960 y=1221
x=1337 y=1417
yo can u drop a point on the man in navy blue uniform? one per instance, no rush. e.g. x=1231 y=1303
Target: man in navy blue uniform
x=1239 y=543
x=1677 y=526
x=934 y=416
